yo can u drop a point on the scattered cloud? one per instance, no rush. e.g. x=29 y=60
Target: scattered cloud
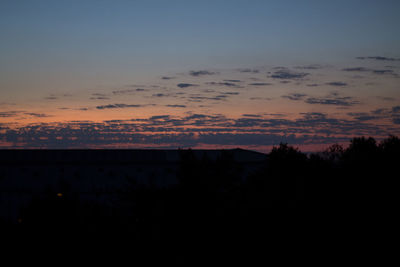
x=294 y=96
x=8 y=114
x=249 y=70
x=233 y=81
x=356 y=69
x=38 y=115
x=252 y=115
x=113 y=106
x=229 y=84
x=260 y=98
x=260 y=84
x=337 y=101
x=128 y=91
x=288 y=75
x=201 y=73
x=160 y=95
x=310 y=67
x=176 y=106
x=230 y=93
x=339 y=84
x=386 y=98
x=51 y=98
x=378 y=58
x=100 y=98
x=201 y=98
x=196 y=129
x=381 y=72
x=185 y=85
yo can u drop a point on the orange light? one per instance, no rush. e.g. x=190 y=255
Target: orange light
x=59 y=194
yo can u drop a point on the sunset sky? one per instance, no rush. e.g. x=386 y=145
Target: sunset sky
x=200 y=74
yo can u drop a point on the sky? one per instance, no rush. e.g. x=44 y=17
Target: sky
x=200 y=74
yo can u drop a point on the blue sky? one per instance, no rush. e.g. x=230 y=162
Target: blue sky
x=149 y=35
x=71 y=56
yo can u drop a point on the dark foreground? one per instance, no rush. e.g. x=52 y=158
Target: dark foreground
x=218 y=198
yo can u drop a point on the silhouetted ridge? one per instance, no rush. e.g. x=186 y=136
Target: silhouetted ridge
x=158 y=195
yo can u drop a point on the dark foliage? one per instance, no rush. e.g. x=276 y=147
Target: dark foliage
x=212 y=200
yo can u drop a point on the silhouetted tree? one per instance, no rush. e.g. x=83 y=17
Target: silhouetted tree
x=361 y=149
x=334 y=152
x=288 y=164
x=390 y=148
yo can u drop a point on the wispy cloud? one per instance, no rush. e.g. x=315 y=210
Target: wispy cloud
x=38 y=115
x=260 y=84
x=337 y=101
x=185 y=85
x=229 y=84
x=176 y=106
x=249 y=70
x=339 y=84
x=379 y=58
x=8 y=114
x=113 y=106
x=287 y=74
x=294 y=96
x=201 y=73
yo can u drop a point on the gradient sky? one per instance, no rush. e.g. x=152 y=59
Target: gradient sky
x=97 y=74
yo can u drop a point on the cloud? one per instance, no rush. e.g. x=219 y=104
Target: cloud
x=383 y=72
x=378 y=58
x=260 y=84
x=233 y=81
x=128 y=91
x=167 y=78
x=260 y=98
x=382 y=114
x=362 y=116
x=160 y=95
x=396 y=109
x=339 y=84
x=7 y=104
x=201 y=73
x=229 y=84
x=287 y=74
x=357 y=69
x=294 y=96
x=338 y=101
x=385 y=98
x=160 y=117
x=8 y=114
x=185 y=85
x=248 y=70
x=100 y=98
x=310 y=67
x=51 y=98
x=200 y=98
x=196 y=129
x=230 y=93
x=252 y=115
x=113 y=106
x=176 y=106
x=38 y=115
